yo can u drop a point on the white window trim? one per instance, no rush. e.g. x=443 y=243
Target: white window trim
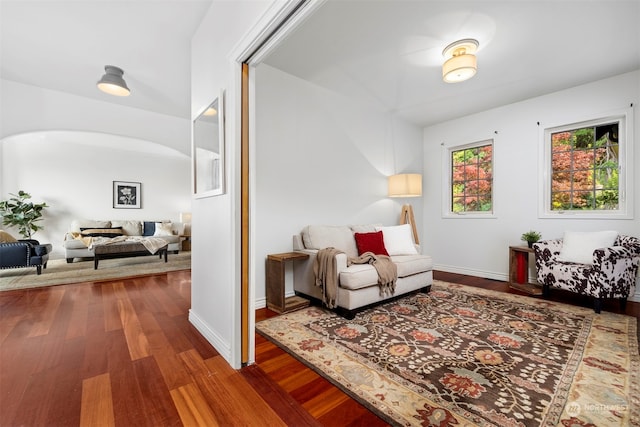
x=625 y=172
x=447 y=213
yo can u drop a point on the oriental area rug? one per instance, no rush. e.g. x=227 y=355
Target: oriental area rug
x=59 y=272
x=464 y=356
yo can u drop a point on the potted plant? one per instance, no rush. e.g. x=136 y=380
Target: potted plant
x=531 y=237
x=19 y=211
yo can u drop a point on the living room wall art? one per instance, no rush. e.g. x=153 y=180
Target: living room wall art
x=127 y=195
x=208 y=150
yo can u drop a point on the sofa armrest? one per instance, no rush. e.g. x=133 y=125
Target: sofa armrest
x=612 y=254
x=14 y=253
x=547 y=250
x=41 y=250
x=30 y=241
x=298 y=245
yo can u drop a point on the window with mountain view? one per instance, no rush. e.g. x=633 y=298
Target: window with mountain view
x=472 y=178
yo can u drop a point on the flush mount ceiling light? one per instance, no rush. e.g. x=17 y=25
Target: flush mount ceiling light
x=112 y=82
x=460 y=62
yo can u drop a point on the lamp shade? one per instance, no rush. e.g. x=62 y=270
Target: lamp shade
x=459 y=68
x=405 y=185
x=185 y=217
x=112 y=82
x=460 y=62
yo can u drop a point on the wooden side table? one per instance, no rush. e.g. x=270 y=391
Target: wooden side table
x=185 y=242
x=519 y=270
x=275 y=285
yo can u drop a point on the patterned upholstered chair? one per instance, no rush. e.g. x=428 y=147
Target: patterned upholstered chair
x=611 y=273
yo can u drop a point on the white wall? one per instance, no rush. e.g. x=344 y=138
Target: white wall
x=26 y=108
x=479 y=247
x=321 y=159
x=73 y=172
x=215 y=264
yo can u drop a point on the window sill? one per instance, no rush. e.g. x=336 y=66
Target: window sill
x=469 y=216
x=585 y=215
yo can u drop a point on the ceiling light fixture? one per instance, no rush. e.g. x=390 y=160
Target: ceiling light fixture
x=112 y=82
x=460 y=62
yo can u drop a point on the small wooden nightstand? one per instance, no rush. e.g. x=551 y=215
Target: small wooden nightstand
x=275 y=285
x=519 y=270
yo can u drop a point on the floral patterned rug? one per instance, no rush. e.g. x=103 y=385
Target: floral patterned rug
x=463 y=356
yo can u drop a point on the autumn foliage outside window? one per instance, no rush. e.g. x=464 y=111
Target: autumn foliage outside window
x=472 y=179
x=584 y=168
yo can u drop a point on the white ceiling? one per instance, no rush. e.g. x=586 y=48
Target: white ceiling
x=386 y=53
x=64 y=45
x=389 y=53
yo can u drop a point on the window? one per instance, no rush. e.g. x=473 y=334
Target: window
x=471 y=179
x=585 y=168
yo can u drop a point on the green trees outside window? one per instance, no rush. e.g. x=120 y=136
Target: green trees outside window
x=472 y=179
x=584 y=168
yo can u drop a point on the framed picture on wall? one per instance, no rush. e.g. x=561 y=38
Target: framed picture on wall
x=127 y=195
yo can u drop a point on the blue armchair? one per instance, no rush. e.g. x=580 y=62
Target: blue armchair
x=24 y=253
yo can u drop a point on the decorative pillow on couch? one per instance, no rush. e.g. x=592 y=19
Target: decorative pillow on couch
x=101 y=232
x=163 y=229
x=129 y=227
x=370 y=242
x=6 y=237
x=77 y=224
x=578 y=246
x=398 y=240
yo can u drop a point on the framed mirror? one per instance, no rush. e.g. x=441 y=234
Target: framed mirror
x=208 y=150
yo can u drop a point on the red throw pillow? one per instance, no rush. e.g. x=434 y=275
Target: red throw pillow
x=370 y=242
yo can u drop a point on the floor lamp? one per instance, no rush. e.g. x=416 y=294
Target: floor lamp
x=407 y=185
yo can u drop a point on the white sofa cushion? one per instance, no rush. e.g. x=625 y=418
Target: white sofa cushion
x=578 y=246
x=130 y=228
x=398 y=240
x=358 y=276
x=330 y=236
x=412 y=264
x=364 y=228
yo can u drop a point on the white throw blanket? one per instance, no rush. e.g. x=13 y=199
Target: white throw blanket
x=152 y=244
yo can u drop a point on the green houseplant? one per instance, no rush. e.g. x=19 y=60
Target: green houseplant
x=19 y=211
x=531 y=237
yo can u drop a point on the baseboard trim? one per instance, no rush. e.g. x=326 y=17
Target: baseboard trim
x=210 y=335
x=471 y=272
x=503 y=277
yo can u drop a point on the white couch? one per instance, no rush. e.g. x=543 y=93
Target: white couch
x=76 y=248
x=358 y=283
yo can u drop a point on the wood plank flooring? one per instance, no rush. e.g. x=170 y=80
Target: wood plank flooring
x=118 y=353
x=123 y=353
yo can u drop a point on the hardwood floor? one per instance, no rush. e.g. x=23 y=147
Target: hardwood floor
x=123 y=353
x=118 y=353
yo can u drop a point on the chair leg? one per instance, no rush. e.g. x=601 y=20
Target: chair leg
x=545 y=290
x=38 y=269
x=597 y=305
x=623 y=304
